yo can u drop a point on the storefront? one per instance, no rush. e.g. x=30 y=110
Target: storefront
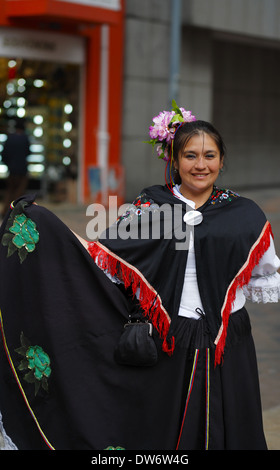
x=61 y=72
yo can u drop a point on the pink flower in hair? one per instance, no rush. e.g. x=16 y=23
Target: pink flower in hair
x=160 y=130
x=164 y=128
x=164 y=154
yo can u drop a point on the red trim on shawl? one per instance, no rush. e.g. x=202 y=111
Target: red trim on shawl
x=241 y=279
x=148 y=298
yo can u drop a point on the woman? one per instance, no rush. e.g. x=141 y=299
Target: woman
x=195 y=386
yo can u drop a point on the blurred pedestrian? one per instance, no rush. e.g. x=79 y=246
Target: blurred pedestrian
x=14 y=155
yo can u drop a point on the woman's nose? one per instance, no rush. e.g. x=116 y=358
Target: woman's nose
x=200 y=163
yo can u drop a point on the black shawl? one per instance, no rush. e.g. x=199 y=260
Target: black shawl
x=229 y=243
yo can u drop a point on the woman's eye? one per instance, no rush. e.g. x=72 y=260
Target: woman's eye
x=210 y=155
x=190 y=155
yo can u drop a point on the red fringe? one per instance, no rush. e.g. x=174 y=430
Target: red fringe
x=148 y=298
x=150 y=301
x=242 y=278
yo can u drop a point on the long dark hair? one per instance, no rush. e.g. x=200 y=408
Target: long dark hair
x=185 y=132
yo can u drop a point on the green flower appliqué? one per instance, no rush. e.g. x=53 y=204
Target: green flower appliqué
x=21 y=234
x=26 y=235
x=37 y=361
x=114 y=448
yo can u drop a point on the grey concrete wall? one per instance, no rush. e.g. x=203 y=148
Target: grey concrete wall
x=246 y=102
x=230 y=60
x=145 y=88
x=147 y=54
x=259 y=18
x=196 y=74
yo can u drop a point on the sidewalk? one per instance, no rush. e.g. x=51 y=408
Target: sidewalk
x=271 y=419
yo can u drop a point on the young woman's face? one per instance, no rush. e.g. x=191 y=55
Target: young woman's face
x=199 y=164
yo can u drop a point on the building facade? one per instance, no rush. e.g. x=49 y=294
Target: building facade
x=61 y=71
x=228 y=74
x=89 y=75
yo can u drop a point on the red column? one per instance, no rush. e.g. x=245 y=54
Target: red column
x=91 y=96
x=116 y=40
x=115 y=88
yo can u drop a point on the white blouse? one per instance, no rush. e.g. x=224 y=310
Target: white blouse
x=264 y=285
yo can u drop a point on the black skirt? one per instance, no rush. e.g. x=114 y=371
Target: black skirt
x=222 y=409
x=63 y=303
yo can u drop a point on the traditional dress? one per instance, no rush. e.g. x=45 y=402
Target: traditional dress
x=63 y=309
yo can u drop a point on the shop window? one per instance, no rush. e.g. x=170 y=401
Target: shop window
x=46 y=97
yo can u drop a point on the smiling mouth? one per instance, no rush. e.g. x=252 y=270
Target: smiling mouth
x=200 y=175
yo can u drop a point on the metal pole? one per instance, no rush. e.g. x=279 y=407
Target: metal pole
x=175 y=50
x=103 y=134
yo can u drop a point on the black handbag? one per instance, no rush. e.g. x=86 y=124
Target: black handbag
x=136 y=346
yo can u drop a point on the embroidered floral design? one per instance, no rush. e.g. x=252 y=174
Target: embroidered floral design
x=21 y=233
x=37 y=361
x=141 y=205
x=222 y=195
